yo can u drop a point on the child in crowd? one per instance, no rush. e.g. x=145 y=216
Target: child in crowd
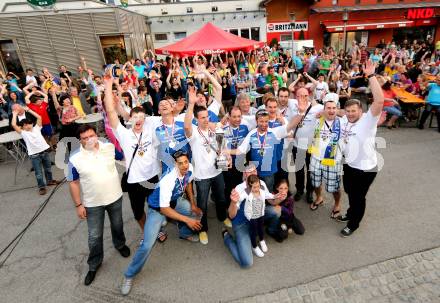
x=288 y=221
x=255 y=196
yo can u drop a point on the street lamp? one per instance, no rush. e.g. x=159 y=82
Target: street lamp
x=292 y=26
x=345 y=19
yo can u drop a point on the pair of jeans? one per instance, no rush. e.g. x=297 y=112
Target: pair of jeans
x=152 y=227
x=270 y=182
x=217 y=185
x=38 y=160
x=299 y=155
x=240 y=247
x=95 y=224
x=356 y=185
x=271 y=218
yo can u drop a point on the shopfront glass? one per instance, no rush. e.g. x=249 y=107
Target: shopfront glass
x=336 y=40
x=114 y=47
x=412 y=33
x=9 y=58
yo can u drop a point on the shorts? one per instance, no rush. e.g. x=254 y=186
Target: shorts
x=330 y=174
x=47 y=130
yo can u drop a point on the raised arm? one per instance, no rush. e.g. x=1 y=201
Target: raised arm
x=14 y=122
x=192 y=98
x=216 y=87
x=311 y=78
x=109 y=103
x=37 y=116
x=378 y=98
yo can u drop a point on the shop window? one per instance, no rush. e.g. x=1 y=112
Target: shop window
x=179 y=35
x=255 y=33
x=189 y=10
x=9 y=58
x=234 y=31
x=244 y=32
x=334 y=2
x=161 y=36
x=357 y=1
x=286 y=37
x=214 y=9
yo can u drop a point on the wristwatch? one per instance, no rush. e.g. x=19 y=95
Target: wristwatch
x=371 y=75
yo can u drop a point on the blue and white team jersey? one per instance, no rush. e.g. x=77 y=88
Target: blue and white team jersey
x=234 y=136
x=170 y=188
x=171 y=139
x=279 y=147
x=213 y=111
x=262 y=148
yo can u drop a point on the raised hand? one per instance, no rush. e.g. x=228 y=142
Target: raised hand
x=369 y=68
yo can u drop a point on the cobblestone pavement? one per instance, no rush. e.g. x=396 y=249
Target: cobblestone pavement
x=412 y=278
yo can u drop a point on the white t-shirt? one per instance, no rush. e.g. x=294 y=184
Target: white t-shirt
x=325 y=136
x=203 y=154
x=34 y=140
x=359 y=141
x=145 y=164
x=304 y=135
x=288 y=111
x=321 y=89
x=30 y=79
x=214 y=107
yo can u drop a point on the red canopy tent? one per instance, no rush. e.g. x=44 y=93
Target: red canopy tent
x=209 y=40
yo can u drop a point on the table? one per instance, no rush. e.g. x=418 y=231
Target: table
x=407 y=97
x=4 y=123
x=17 y=150
x=91 y=118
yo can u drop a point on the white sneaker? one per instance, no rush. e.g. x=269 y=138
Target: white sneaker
x=263 y=246
x=203 y=237
x=126 y=286
x=257 y=251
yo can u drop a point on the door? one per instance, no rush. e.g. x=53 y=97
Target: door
x=9 y=58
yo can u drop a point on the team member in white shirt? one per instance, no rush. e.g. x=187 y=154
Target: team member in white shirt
x=301 y=141
x=37 y=148
x=320 y=87
x=142 y=166
x=205 y=151
x=325 y=163
x=358 y=135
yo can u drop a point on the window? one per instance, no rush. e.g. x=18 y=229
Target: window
x=244 y=32
x=161 y=37
x=286 y=37
x=179 y=35
x=238 y=8
x=357 y=1
x=164 y=12
x=189 y=10
x=234 y=31
x=214 y=9
x=334 y=2
x=255 y=33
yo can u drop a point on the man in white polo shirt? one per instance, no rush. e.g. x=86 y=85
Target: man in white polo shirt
x=92 y=168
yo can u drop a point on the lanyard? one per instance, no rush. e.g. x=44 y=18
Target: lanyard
x=182 y=185
x=329 y=127
x=264 y=140
x=167 y=135
x=204 y=138
x=346 y=132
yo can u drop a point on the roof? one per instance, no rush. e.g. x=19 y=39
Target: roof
x=208 y=40
x=332 y=9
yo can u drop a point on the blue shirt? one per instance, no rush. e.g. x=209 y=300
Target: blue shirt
x=279 y=147
x=163 y=134
x=298 y=62
x=170 y=188
x=433 y=97
x=235 y=136
x=267 y=162
x=140 y=70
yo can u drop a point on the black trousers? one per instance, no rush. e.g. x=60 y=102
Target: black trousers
x=138 y=195
x=356 y=185
x=299 y=155
x=256 y=228
x=232 y=178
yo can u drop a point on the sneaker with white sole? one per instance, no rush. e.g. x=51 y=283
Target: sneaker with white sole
x=203 y=237
x=257 y=251
x=126 y=286
x=227 y=223
x=263 y=246
x=164 y=223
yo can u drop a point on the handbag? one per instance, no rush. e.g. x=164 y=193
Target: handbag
x=124 y=180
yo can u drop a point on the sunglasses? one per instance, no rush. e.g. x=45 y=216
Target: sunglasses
x=179 y=153
x=262 y=112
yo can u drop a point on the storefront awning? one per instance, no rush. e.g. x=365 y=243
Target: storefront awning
x=338 y=26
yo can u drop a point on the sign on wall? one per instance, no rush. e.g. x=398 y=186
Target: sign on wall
x=420 y=13
x=276 y=27
x=41 y=2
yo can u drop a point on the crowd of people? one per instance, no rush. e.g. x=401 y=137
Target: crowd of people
x=185 y=122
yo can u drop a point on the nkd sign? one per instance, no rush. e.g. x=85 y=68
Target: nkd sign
x=420 y=13
x=287 y=26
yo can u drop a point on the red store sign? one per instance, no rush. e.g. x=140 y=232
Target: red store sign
x=420 y=13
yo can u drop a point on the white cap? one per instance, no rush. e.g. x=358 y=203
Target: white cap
x=331 y=97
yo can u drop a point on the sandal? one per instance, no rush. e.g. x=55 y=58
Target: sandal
x=335 y=214
x=315 y=206
x=162 y=236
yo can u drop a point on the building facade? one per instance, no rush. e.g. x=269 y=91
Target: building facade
x=32 y=37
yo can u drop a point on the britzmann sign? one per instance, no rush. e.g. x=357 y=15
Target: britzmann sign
x=287 y=27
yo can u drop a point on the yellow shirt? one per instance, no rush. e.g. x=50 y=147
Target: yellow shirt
x=437 y=45
x=252 y=68
x=76 y=102
x=390 y=72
